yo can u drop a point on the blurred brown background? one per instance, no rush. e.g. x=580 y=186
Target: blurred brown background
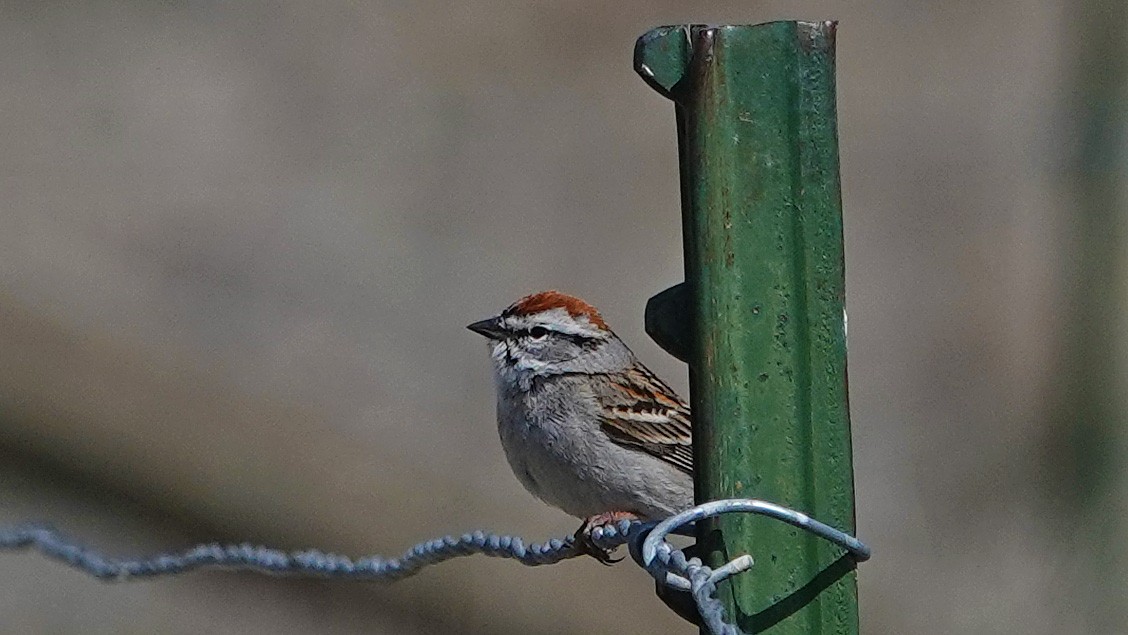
x=239 y=243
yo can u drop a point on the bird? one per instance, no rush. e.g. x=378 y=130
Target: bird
x=585 y=426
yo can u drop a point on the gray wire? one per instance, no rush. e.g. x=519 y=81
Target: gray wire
x=647 y=541
x=246 y=557
x=670 y=567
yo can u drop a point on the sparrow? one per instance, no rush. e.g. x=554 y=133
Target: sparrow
x=585 y=426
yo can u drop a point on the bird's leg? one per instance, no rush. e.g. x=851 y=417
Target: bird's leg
x=585 y=543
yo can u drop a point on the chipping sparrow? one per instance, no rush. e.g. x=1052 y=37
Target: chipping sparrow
x=585 y=426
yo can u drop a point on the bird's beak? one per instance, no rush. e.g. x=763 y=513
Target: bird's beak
x=490 y=328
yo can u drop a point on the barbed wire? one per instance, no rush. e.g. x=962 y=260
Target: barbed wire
x=646 y=540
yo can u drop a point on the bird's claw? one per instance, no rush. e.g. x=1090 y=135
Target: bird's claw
x=586 y=544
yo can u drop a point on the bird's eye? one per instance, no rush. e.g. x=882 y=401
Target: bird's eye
x=538 y=332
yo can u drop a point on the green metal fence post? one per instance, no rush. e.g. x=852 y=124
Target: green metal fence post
x=763 y=326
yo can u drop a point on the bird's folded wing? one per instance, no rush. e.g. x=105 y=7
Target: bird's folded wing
x=643 y=412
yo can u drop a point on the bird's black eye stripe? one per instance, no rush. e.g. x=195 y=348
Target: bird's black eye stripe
x=580 y=340
x=540 y=332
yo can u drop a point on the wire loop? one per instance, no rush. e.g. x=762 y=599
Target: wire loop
x=670 y=567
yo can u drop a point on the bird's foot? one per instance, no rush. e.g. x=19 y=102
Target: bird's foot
x=586 y=544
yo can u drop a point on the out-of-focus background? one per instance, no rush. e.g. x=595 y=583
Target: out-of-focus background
x=239 y=243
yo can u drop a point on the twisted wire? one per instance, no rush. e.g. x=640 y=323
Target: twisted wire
x=647 y=542
x=247 y=557
x=670 y=567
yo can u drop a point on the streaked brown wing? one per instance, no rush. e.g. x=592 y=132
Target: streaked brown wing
x=643 y=412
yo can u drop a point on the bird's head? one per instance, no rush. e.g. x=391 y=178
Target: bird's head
x=551 y=333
